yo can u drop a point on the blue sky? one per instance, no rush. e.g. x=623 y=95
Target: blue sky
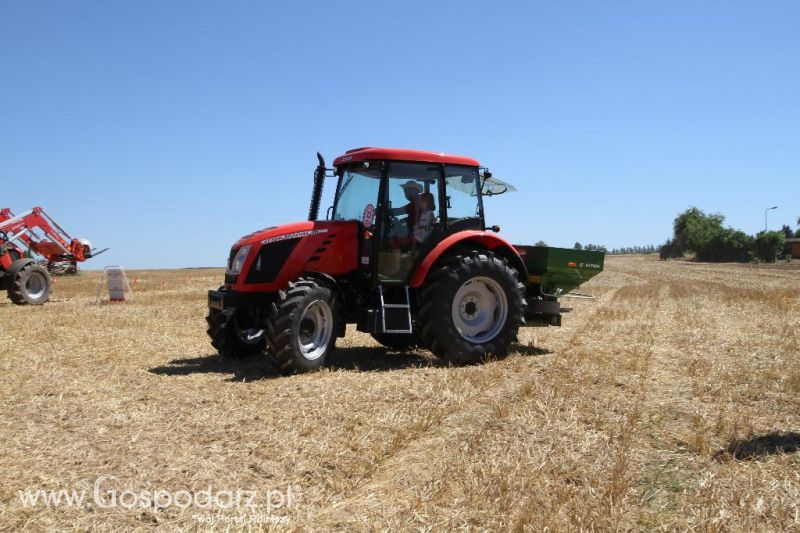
x=166 y=130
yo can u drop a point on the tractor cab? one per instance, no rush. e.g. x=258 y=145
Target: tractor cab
x=406 y=201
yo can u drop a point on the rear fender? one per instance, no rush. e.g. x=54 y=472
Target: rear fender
x=474 y=239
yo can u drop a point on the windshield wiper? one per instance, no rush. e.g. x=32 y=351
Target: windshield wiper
x=343 y=188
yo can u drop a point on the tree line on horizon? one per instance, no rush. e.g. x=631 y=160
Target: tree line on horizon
x=625 y=250
x=706 y=238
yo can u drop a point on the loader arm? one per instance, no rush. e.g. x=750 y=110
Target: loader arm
x=55 y=245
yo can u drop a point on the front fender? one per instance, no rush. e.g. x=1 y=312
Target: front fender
x=18 y=265
x=478 y=239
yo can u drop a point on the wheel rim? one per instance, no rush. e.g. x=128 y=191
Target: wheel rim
x=316 y=328
x=480 y=309
x=35 y=285
x=249 y=333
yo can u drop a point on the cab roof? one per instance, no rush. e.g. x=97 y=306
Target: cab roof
x=401 y=154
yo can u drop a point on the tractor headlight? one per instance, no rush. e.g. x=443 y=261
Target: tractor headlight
x=238 y=261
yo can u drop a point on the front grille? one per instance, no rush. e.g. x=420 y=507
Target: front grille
x=270 y=260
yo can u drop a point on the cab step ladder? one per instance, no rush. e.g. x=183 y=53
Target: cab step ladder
x=398 y=320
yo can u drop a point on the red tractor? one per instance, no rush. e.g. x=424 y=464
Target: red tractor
x=404 y=253
x=26 y=281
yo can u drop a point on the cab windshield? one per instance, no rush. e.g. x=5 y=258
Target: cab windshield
x=357 y=195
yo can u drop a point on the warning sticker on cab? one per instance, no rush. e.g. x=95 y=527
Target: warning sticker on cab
x=368 y=218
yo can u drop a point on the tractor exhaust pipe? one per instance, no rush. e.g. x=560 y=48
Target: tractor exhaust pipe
x=316 y=193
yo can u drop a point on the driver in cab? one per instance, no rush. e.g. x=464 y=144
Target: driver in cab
x=412 y=190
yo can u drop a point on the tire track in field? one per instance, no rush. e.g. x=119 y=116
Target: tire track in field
x=409 y=461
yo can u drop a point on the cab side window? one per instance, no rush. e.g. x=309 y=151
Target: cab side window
x=462 y=193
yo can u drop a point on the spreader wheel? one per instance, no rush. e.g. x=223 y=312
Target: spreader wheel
x=237 y=333
x=302 y=326
x=472 y=306
x=30 y=286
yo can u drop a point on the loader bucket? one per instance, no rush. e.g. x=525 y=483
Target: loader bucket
x=557 y=271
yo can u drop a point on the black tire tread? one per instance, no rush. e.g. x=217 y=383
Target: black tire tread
x=282 y=321
x=224 y=338
x=17 y=292
x=435 y=313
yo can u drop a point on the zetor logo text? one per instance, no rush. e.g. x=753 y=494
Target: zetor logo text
x=295 y=235
x=105 y=496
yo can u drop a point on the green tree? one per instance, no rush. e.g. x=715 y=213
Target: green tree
x=768 y=244
x=578 y=246
x=694 y=231
x=705 y=236
x=731 y=245
x=669 y=250
x=540 y=243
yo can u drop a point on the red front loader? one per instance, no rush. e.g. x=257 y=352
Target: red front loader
x=404 y=253
x=25 y=281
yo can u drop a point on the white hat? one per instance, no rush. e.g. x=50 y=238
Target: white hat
x=411 y=184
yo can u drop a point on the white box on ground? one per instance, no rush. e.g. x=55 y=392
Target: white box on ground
x=117 y=282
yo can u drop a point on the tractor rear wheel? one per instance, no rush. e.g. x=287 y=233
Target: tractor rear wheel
x=31 y=286
x=472 y=306
x=237 y=333
x=302 y=326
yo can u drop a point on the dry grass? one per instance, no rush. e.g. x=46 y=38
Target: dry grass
x=670 y=402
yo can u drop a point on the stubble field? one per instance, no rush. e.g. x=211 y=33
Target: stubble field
x=671 y=401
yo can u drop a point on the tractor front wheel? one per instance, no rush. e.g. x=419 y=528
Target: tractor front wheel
x=302 y=326
x=31 y=286
x=237 y=333
x=472 y=306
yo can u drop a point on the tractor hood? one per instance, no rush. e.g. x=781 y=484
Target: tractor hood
x=268 y=259
x=294 y=230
